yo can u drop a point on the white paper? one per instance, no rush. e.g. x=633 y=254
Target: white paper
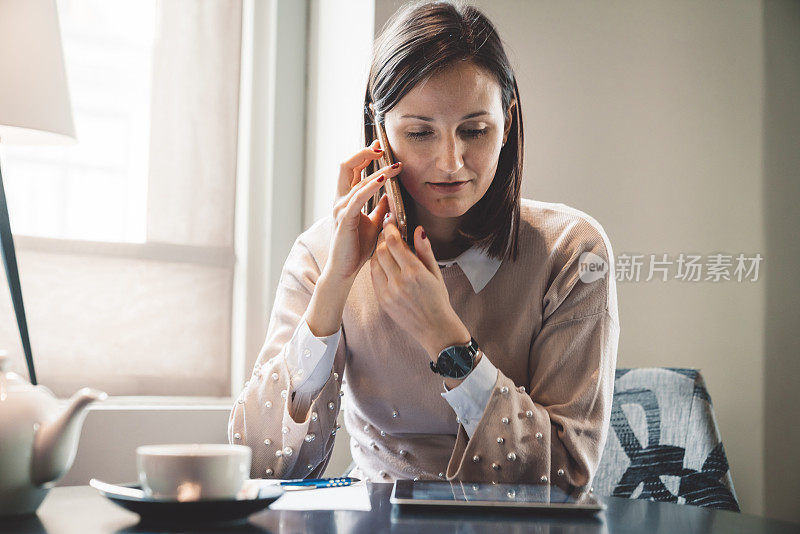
x=353 y=497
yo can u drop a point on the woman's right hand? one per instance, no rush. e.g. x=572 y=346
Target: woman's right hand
x=355 y=233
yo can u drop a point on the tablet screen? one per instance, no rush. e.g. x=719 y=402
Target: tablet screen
x=513 y=495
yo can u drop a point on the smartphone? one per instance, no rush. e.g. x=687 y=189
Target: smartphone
x=392 y=187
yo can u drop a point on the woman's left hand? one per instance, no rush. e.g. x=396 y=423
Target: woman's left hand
x=411 y=290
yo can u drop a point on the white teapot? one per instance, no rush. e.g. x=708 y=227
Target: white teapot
x=38 y=439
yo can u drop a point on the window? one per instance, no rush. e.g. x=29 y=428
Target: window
x=96 y=190
x=125 y=240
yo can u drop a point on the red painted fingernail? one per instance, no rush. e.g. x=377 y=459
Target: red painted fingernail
x=423 y=233
x=377 y=150
x=387 y=215
x=382 y=177
x=395 y=165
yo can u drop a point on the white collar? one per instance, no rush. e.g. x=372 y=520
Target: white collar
x=478 y=266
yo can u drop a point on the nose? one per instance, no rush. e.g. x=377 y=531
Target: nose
x=449 y=159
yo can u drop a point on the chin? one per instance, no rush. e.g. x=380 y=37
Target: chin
x=447 y=207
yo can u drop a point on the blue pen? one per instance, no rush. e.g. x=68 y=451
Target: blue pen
x=320 y=482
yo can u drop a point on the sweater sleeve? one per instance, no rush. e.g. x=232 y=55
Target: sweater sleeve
x=310 y=360
x=289 y=441
x=469 y=399
x=553 y=428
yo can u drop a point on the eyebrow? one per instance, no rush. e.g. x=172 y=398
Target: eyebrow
x=429 y=119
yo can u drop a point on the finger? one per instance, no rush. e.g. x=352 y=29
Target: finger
x=376 y=215
x=379 y=280
x=380 y=210
x=347 y=168
x=399 y=249
x=422 y=246
x=387 y=262
x=357 y=171
x=359 y=197
x=390 y=171
x=381 y=239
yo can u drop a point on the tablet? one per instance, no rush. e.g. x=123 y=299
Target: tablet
x=482 y=495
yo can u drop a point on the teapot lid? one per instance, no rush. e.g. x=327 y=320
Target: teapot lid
x=5 y=361
x=6 y=376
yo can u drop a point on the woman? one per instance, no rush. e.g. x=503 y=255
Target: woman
x=494 y=293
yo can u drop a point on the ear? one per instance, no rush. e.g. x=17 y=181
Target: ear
x=509 y=120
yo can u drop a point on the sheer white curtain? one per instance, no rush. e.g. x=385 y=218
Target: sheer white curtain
x=194 y=123
x=146 y=316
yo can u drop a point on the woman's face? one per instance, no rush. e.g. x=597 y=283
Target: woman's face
x=449 y=130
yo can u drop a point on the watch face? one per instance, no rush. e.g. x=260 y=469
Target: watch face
x=455 y=362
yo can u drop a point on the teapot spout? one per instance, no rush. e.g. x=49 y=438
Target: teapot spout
x=56 y=441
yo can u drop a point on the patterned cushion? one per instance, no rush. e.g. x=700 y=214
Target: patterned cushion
x=664 y=444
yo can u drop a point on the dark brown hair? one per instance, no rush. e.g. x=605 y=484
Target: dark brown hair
x=420 y=40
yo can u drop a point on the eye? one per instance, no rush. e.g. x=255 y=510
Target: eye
x=469 y=133
x=475 y=133
x=419 y=135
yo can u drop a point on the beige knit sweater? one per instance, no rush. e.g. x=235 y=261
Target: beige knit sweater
x=550 y=331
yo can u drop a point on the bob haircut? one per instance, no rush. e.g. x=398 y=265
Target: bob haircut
x=420 y=40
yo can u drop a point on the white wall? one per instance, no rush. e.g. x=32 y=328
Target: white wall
x=782 y=219
x=113 y=430
x=338 y=54
x=648 y=116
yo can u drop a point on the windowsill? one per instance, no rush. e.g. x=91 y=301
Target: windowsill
x=162 y=252
x=160 y=403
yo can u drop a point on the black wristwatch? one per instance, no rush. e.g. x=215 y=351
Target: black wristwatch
x=456 y=361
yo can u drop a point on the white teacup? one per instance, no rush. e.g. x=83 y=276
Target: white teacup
x=192 y=472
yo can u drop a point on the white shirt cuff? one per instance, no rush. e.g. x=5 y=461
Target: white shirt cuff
x=469 y=399
x=310 y=359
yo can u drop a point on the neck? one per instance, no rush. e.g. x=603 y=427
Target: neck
x=441 y=231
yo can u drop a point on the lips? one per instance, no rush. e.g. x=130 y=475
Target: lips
x=447 y=187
